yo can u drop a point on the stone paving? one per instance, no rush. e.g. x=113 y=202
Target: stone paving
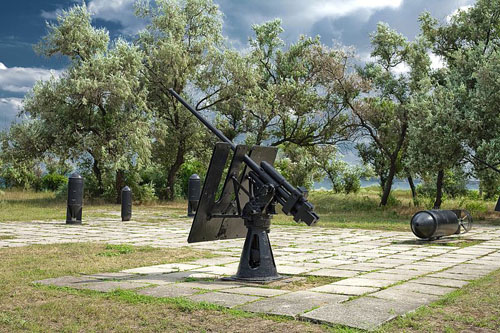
x=381 y=274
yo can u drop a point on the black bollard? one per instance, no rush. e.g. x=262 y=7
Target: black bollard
x=75 y=199
x=126 y=204
x=194 y=192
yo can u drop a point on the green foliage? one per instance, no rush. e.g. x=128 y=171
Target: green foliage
x=384 y=114
x=297 y=164
x=469 y=43
x=344 y=177
x=189 y=168
x=489 y=183
x=53 y=181
x=454 y=184
x=101 y=118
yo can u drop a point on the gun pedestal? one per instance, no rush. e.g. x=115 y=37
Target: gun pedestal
x=257 y=260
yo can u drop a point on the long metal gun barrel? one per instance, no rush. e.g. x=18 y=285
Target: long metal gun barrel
x=291 y=198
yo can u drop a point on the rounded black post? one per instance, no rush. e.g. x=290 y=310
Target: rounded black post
x=75 y=199
x=126 y=203
x=194 y=192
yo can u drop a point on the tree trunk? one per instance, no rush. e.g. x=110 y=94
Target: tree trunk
x=172 y=172
x=98 y=176
x=382 y=181
x=388 y=183
x=413 y=190
x=119 y=184
x=439 y=189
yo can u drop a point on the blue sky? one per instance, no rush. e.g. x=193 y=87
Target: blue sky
x=348 y=22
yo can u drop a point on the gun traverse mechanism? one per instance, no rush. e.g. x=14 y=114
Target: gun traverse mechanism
x=247 y=201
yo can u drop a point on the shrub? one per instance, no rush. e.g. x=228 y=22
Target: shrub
x=53 y=181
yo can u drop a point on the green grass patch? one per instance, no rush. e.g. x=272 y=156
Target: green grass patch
x=7 y=237
x=37 y=308
x=116 y=250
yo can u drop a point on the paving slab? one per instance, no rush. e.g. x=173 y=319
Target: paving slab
x=334 y=272
x=425 y=288
x=170 y=290
x=66 y=281
x=364 y=313
x=172 y=277
x=223 y=299
x=293 y=304
x=360 y=282
x=454 y=276
x=109 y=276
x=404 y=295
x=167 y=268
x=255 y=291
x=441 y=282
x=344 y=290
x=107 y=286
x=211 y=285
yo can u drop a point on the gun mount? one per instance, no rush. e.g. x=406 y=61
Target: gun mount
x=251 y=190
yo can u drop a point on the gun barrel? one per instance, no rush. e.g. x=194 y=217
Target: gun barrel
x=251 y=164
x=288 y=196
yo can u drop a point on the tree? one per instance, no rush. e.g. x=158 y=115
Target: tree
x=298 y=165
x=344 y=177
x=435 y=145
x=383 y=114
x=469 y=44
x=290 y=93
x=183 y=50
x=95 y=112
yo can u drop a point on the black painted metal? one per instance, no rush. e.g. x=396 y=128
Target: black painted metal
x=497 y=207
x=126 y=203
x=432 y=224
x=75 y=199
x=291 y=198
x=194 y=192
x=218 y=218
x=250 y=197
x=257 y=260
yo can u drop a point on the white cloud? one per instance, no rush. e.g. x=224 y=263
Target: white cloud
x=9 y=107
x=119 y=11
x=456 y=11
x=22 y=79
x=316 y=10
x=436 y=61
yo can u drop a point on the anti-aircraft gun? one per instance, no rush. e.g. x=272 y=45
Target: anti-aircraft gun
x=251 y=190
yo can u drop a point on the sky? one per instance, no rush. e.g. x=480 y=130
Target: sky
x=345 y=22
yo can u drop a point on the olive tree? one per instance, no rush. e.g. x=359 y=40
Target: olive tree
x=383 y=114
x=469 y=44
x=95 y=112
x=184 y=50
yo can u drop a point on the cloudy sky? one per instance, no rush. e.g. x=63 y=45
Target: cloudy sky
x=349 y=22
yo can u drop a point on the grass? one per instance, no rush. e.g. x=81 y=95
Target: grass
x=27 y=307
x=359 y=211
x=454 y=241
x=6 y=237
x=362 y=211
x=473 y=308
x=35 y=308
